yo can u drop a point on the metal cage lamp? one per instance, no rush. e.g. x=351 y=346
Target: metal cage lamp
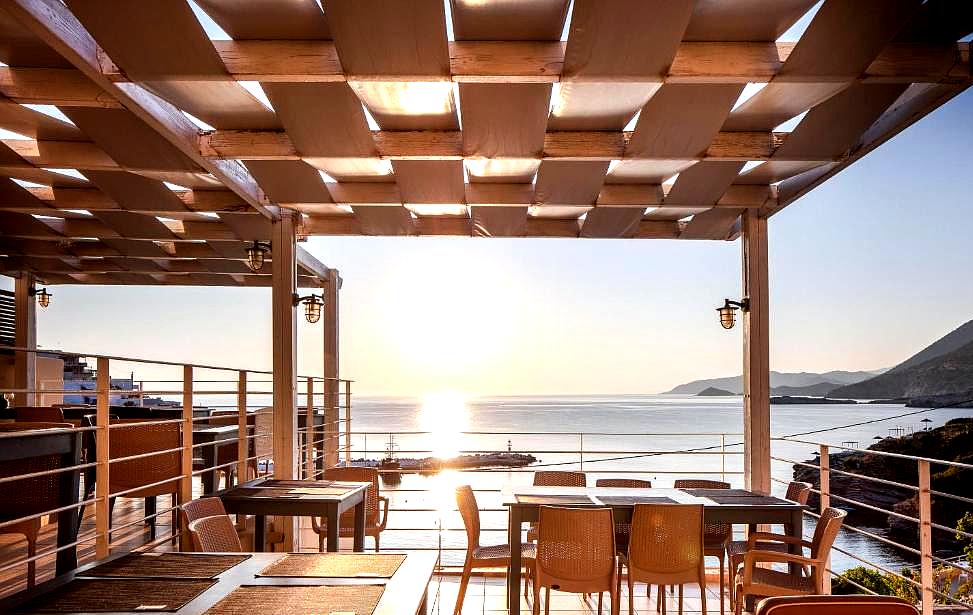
x=312 y=306
x=728 y=311
x=43 y=297
x=256 y=254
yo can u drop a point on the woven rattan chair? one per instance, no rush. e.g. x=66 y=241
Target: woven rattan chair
x=213 y=507
x=575 y=553
x=555 y=478
x=716 y=536
x=809 y=575
x=138 y=477
x=262 y=441
x=835 y=605
x=42 y=414
x=666 y=548
x=375 y=520
x=796 y=492
x=30 y=496
x=477 y=556
x=216 y=533
x=622 y=529
x=228 y=453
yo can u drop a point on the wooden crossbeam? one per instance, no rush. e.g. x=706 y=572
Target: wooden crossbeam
x=93 y=199
x=448 y=145
x=64 y=87
x=541 y=61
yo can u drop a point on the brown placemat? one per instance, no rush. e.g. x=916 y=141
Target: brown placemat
x=759 y=500
x=170 y=565
x=113 y=595
x=631 y=500
x=554 y=499
x=299 y=600
x=334 y=565
x=312 y=491
x=709 y=493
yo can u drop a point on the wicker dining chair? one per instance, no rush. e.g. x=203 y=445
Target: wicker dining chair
x=216 y=533
x=575 y=553
x=229 y=453
x=796 y=492
x=808 y=578
x=478 y=556
x=835 y=605
x=555 y=478
x=30 y=496
x=138 y=477
x=375 y=520
x=262 y=441
x=716 y=536
x=666 y=548
x=622 y=529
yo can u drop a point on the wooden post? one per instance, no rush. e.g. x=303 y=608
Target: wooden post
x=925 y=537
x=309 y=435
x=243 y=444
x=331 y=362
x=756 y=355
x=102 y=455
x=347 y=422
x=186 y=484
x=25 y=333
x=824 y=464
x=284 y=287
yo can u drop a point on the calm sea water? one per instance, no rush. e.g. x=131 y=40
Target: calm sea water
x=645 y=436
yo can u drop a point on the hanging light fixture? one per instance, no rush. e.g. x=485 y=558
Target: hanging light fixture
x=728 y=314
x=43 y=297
x=255 y=255
x=312 y=306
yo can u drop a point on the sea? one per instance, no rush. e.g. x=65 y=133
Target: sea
x=654 y=437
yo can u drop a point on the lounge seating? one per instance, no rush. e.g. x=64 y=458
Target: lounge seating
x=576 y=553
x=478 y=556
x=835 y=605
x=716 y=536
x=375 y=521
x=807 y=579
x=666 y=548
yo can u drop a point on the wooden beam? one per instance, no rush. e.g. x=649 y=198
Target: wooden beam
x=25 y=336
x=756 y=355
x=312 y=265
x=330 y=370
x=285 y=360
x=63 y=87
x=53 y=23
x=439 y=145
x=93 y=199
x=81 y=155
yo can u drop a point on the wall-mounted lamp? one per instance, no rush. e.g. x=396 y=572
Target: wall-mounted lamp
x=43 y=297
x=312 y=306
x=728 y=314
x=255 y=255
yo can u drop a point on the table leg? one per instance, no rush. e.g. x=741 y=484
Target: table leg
x=360 y=526
x=209 y=460
x=423 y=606
x=259 y=523
x=795 y=528
x=333 y=528
x=67 y=520
x=513 y=569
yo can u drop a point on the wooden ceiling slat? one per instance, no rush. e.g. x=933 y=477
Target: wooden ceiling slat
x=779 y=102
x=21 y=47
x=322 y=119
x=23 y=225
x=646 y=171
x=128 y=224
x=569 y=183
x=444 y=225
x=499 y=221
x=680 y=120
x=552 y=227
x=248 y=226
x=430 y=181
x=137 y=193
x=711 y=224
x=385 y=220
x=611 y=222
x=939 y=21
x=538 y=20
x=290 y=181
x=13 y=196
x=774 y=171
x=504 y=120
x=269 y=19
x=702 y=184
x=24 y=121
x=744 y=20
x=582 y=105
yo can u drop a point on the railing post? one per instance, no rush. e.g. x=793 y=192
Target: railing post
x=186 y=484
x=824 y=463
x=243 y=442
x=925 y=537
x=309 y=435
x=581 y=450
x=347 y=422
x=723 y=457
x=102 y=509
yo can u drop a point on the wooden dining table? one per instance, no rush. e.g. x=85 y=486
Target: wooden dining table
x=229 y=583
x=735 y=506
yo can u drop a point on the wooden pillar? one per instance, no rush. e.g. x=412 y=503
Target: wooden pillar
x=284 y=251
x=332 y=392
x=925 y=538
x=186 y=484
x=825 y=489
x=102 y=455
x=756 y=355
x=25 y=332
x=243 y=442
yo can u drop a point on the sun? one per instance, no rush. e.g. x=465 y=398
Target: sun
x=444 y=416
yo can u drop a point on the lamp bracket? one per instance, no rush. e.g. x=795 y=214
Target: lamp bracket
x=743 y=304
x=297 y=299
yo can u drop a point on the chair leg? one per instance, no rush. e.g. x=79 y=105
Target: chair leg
x=31 y=565
x=738 y=606
x=680 y=599
x=722 y=586
x=536 y=607
x=149 y=508
x=464 y=581
x=547 y=601
x=175 y=502
x=615 y=596
x=660 y=595
x=631 y=597
x=376 y=542
x=600 y=595
x=702 y=596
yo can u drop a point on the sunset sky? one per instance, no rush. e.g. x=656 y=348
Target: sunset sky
x=864 y=271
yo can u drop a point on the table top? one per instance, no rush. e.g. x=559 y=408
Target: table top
x=403 y=593
x=312 y=491
x=624 y=497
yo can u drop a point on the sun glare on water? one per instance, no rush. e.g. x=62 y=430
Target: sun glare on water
x=444 y=416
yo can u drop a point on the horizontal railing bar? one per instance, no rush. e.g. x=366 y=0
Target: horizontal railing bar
x=955 y=464
x=125 y=492
x=846 y=473
x=48 y=512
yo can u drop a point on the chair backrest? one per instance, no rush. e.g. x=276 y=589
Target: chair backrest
x=829 y=524
x=29 y=496
x=470 y=511
x=358 y=475
x=666 y=543
x=798 y=491
x=627 y=483
x=223 y=417
x=200 y=508
x=136 y=437
x=558 y=478
x=41 y=414
x=263 y=429
x=575 y=548
x=215 y=534
x=834 y=605
x=700 y=483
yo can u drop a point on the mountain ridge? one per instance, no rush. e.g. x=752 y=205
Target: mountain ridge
x=791 y=380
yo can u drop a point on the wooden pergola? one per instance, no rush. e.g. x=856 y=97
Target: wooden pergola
x=478 y=118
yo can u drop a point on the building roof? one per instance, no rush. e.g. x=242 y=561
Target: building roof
x=470 y=117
